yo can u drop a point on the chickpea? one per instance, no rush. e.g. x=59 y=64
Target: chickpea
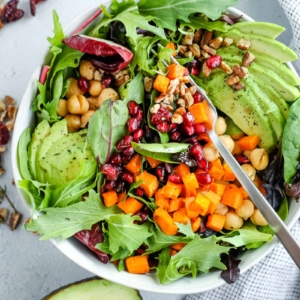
x=233 y=221
x=259 y=159
x=86 y=117
x=237 y=136
x=78 y=105
x=92 y=103
x=210 y=152
x=258 y=219
x=86 y=69
x=237 y=149
x=95 y=88
x=257 y=181
x=246 y=210
x=221 y=209
x=107 y=93
x=73 y=122
x=62 y=108
x=228 y=142
x=247 y=153
x=221 y=126
x=73 y=88
x=249 y=170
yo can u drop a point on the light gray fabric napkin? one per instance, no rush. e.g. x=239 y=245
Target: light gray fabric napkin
x=276 y=277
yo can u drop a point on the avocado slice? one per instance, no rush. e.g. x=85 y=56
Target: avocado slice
x=232 y=128
x=94 y=289
x=57 y=130
x=40 y=132
x=264 y=45
x=270 y=30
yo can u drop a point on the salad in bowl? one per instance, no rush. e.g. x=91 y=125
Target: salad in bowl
x=116 y=154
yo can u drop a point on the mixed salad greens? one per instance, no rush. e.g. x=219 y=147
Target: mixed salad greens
x=120 y=157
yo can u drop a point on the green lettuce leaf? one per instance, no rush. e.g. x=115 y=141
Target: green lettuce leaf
x=186 y=229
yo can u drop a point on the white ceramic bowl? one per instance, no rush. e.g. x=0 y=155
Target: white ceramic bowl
x=80 y=254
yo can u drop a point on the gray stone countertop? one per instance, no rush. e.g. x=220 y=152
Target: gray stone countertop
x=30 y=269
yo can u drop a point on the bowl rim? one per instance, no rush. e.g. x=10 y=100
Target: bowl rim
x=80 y=254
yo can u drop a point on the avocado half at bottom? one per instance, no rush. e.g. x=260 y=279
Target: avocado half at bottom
x=94 y=289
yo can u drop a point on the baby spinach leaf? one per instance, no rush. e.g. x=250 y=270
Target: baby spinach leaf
x=106 y=127
x=67 y=221
x=23 y=153
x=290 y=142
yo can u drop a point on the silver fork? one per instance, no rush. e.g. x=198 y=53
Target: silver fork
x=277 y=225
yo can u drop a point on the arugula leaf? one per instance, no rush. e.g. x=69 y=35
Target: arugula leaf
x=67 y=221
x=183 y=61
x=150 y=203
x=186 y=229
x=23 y=153
x=181 y=9
x=58 y=31
x=106 y=127
x=290 y=142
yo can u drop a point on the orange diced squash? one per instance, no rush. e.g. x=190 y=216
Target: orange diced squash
x=137 y=264
x=192 y=214
x=248 y=142
x=190 y=183
x=180 y=216
x=122 y=196
x=161 y=83
x=173 y=252
x=175 y=204
x=218 y=188
x=232 y=196
x=201 y=113
x=245 y=194
x=176 y=71
x=204 y=137
x=216 y=170
x=161 y=201
x=229 y=175
x=153 y=162
x=130 y=205
x=110 y=198
x=214 y=200
x=200 y=204
x=135 y=164
x=165 y=222
x=178 y=246
x=196 y=224
x=181 y=170
x=172 y=46
x=171 y=190
x=237 y=149
x=215 y=222
x=149 y=183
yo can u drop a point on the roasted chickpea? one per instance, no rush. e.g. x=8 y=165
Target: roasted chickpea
x=86 y=69
x=107 y=93
x=73 y=122
x=237 y=136
x=258 y=219
x=78 y=105
x=257 y=181
x=62 y=108
x=247 y=153
x=86 y=117
x=259 y=159
x=73 y=88
x=246 y=210
x=92 y=103
x=95 y=88
x=228 y=142
x=221 y=209
x=210 y=152
x=233 y=221
x=237 y=149
x=249 y=170
x=221 y=126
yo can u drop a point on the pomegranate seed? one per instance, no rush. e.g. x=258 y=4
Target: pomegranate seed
x=124 y=142
x=204 y=178
x=116 y=159
x=167 y=116
x=129 y=151
x=144 y=217
x=110 y=172
x=203 y=164
x=189 y=130
x=163 y=127
x=196 y=151
x=133 y=124
x=199 y=128
x=110 y=185
x=175 y=136
x=4 y=134
x=139 y=192
x=242 y=159
x=214 y=62
x=126 y=160
x=173 y=127
x=192 y=140
x=120 y=187
x=106 y=80
x=83 y=84
x=155 y=118
x=197 y=98
x=127 y=176
x=194 y=67
x=139 y=114
x=132 y=108
x=188 y=119
x=175 y=178
x=160 y=172
x=138 y=134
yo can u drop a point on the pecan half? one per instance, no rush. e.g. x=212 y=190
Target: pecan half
x=225 y=68
x=209 y=50
x=232 y=79
x=148 y=84
x=248 y=59
x=15 y=219
x=242 y=72
x=188 y=39
x=227 y=41
x=206 y=70
x=216 y=42
x=243 y=44
x=207 y=37
x=198 y=36
x=3 y=213
x=238 y=86
x=2 y=105
x=12 y=111
x=177 y=119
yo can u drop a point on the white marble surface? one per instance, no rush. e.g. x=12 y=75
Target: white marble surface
x=30 y=269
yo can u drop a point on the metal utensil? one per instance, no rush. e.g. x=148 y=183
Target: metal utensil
x=277 y=225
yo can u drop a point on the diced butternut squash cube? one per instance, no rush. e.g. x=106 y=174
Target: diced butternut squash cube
x=122 y=196
x=215 y=222
x=137 y=264
x=135 y=164
x=200 y=204
x=153 y=162
x=214 y=200
x=218 y=187
x=176 y=71
x=180 y=216
x=192 y=214
x=178 y=246
x=161 y=201
x=216 y=169
x=110 y=198
x=232 y=196
x=196 y=224
x=130 y=205
x=161 y=83
x=190 y=183
x=165 y=222
x=175 y=204
x=229 y=175
x=171 y=190
x=149 y=183
x=201 y=113
x=248 y=142
x=245 y=194
x=181 y=170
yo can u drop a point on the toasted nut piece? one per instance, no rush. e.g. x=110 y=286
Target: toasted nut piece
x=228 y=41
x=87 y=69
x=182 y=49
x=15 y=219
x=154 y=109
x=73 y=122
x=225 y=68
x=12 y=111
x=192 y=89
x=86 y=117
x=167 y=106
x=258 y=219
x=177 y=90
x=259 y=159
x=188 y=39
x=177 y=119
x=172 y=85
x=2 y=171
x=169 y=99
x=148 y=84
x=238 y=86
x=233 y=79
x=182 y=89
x=96 y=88
x=185 y=79
x=209 y=50
x=189 y=99
x=9 y=100
x=207 y=37
x=181 y=102
x=2 y=105
x=98 y=75
x=3 y=116
x=180 y=110
x=3 y=213
x=216 y=42
x=249 y=170
x=107 y=93
x=243 y=44
x=205 y=54
x=248 y=59
x=160 y=98
x=78 y=105
x=62 y=108
x=121 y=77
x=206 y=70
x=10 y=125
x=198 y=36
x=242 y=72
x=188 y=54
x=195 y=50
x=2 y=149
